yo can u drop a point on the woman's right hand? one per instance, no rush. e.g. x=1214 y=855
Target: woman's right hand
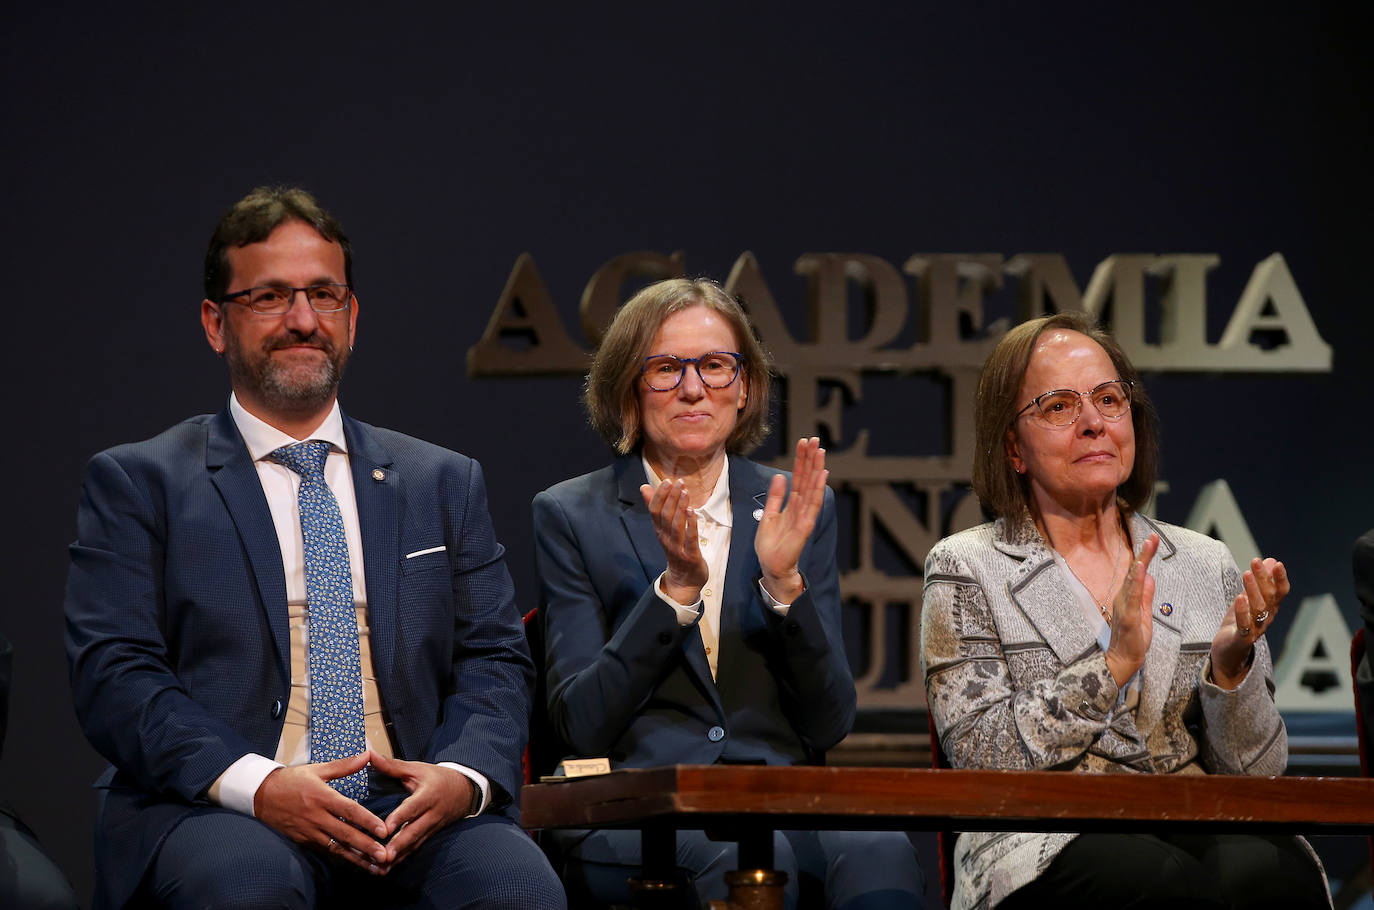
x=676 y=526
x=1132 y=618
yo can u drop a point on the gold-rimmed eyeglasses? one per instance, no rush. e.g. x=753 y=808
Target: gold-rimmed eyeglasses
x=1063 y=407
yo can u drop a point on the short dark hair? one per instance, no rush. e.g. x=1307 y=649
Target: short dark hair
x=254 y=217
x=1001 y=490
x=612 y=383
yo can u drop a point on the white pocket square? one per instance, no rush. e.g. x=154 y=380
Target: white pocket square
x=423 y=552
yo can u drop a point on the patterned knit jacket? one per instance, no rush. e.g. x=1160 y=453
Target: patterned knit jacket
x=1016 y=679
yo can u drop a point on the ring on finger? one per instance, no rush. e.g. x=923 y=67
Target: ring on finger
x=333 y=843
x=1261 y=616
x=1243 y=630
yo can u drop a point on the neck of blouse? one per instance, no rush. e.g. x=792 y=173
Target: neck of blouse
x=1105 y=600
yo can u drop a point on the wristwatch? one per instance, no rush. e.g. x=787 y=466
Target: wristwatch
x=474 y=804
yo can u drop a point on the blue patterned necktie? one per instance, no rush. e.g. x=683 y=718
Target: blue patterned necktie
x=336 y=681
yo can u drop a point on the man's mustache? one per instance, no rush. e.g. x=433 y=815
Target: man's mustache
x=315 y=340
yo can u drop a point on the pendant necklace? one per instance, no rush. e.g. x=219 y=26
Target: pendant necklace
x=1101 y=604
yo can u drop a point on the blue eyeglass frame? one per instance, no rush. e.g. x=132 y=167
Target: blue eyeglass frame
x=696 y=363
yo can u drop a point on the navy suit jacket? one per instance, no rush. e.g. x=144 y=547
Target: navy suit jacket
x=625 y=680
x=177 y=634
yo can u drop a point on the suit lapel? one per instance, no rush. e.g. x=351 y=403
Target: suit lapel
x=1042 y=593
x=639 y=527
x=376 y=487
x=236 y=477
x=634 y=516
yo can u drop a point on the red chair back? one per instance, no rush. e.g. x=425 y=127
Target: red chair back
x=938 y=759
x=1357 y=652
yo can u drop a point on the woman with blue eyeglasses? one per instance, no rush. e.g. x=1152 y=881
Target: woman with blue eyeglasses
x=690 y=598
x=1073 y=633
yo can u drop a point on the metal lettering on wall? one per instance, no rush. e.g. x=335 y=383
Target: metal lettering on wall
x=1269 y=330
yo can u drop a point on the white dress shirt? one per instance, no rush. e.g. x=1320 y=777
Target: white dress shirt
x=715 y=521
x=236 y=787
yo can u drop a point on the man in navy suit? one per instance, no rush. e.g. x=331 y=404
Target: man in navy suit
x=188 y=627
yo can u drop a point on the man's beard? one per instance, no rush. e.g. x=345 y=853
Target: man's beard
x=306 y=384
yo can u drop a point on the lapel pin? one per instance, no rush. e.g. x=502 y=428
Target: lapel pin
x=1166 y=609
x=378 y=474
x=758 y=514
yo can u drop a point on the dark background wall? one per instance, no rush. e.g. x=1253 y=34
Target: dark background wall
x=449 y=142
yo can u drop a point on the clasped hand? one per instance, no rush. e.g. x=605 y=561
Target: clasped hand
x=298 y=802
x=784 y=528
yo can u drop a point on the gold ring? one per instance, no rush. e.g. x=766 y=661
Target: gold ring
x=1243 y=630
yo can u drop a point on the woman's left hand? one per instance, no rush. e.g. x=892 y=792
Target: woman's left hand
x=1250 y=616
x=784 y=529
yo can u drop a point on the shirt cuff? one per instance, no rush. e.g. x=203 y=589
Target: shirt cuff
x=774 y=604
x=236 y=787
x=1210 y=682
x=686 y=616
x=479 y=780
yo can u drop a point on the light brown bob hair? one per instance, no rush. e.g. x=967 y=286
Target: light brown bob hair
x=1003 y=492
x=612 y=390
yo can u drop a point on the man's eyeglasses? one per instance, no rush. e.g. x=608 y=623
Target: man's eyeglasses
x=1062 y=407
x=717 y=369
x=275 y=299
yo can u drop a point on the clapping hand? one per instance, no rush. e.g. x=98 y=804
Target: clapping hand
x=1250 y=615
x=676 y=526
x=784 y=529
x=1131 y=620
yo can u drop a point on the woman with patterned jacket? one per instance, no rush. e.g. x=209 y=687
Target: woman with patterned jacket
x=1073 y=633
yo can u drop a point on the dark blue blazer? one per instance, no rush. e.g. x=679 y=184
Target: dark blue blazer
x=626 y=681
x=177 y=623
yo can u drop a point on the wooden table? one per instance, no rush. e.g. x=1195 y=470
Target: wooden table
x=920 y=799
x=748 y=802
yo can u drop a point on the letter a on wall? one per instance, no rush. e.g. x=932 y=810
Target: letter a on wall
x=1217 y=514
x=1313 y=673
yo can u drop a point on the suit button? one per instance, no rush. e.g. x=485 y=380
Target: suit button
x=276 y=709
x=715 y=734
x=665 y=638
x=792 y=628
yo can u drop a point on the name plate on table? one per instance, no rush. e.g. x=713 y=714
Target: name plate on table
x=583 y=767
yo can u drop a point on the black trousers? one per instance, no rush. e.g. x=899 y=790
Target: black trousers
x=28 y=878
x=1212 y=871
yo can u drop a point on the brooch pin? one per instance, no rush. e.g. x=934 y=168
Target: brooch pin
x=378 y=474
x=758 y=514
x=1166 y=609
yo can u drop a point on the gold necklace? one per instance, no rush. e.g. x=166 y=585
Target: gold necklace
x=1116 y=569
